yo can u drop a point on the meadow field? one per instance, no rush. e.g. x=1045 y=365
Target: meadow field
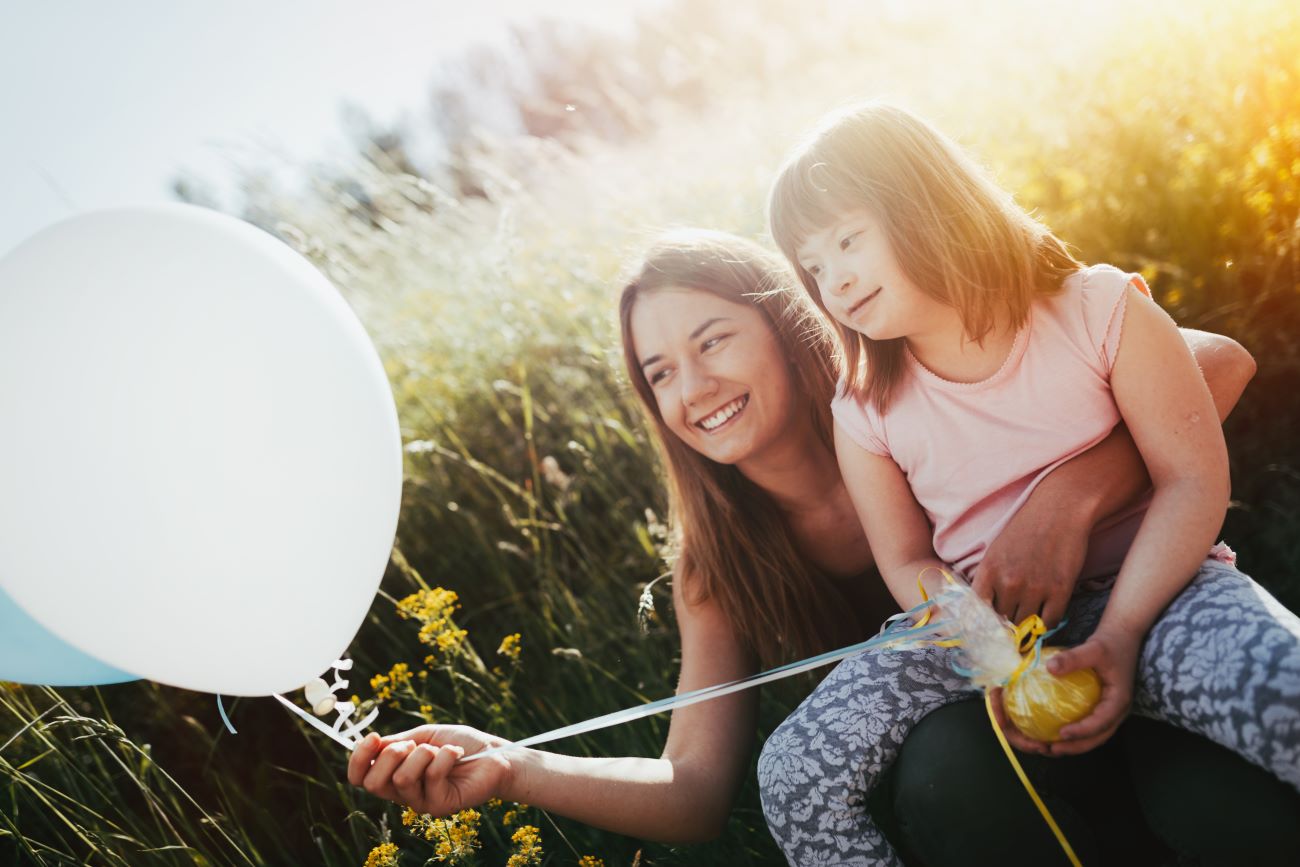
x=1165 y=140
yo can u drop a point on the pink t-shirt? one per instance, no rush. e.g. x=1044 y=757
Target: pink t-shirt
x=973 y=452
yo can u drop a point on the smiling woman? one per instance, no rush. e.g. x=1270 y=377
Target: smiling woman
x=771 y=564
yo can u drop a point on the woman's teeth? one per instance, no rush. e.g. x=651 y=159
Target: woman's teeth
x=721 y=416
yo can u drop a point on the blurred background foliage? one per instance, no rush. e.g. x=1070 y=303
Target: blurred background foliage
x=1163 y=138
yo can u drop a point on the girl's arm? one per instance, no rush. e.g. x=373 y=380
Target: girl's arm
x=1173 y=421
x=684 y=796
x=900 y=535
x=1033 y=564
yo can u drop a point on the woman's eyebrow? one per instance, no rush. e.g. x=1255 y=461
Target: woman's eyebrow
x=700 y=329
x=705 y=325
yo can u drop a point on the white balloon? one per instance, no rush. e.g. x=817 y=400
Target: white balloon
x=200 y=461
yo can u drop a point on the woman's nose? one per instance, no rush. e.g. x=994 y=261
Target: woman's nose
x=697 y=383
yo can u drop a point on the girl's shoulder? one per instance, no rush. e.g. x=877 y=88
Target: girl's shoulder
x=859 y=419
x=1089 y=309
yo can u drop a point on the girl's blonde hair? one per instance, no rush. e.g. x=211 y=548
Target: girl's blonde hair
x=957 y=236
x=733 y=544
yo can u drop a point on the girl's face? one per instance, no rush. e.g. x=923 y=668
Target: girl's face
x=717 y=371
x=861 y=284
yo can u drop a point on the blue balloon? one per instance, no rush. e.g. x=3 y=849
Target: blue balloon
x=30 y=653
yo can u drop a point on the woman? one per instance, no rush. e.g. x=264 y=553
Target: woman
x=772 y=563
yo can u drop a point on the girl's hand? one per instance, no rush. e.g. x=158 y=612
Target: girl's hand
x=421 y=768
x=1113 y=654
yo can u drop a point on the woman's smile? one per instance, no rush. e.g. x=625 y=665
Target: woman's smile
x=724 y=416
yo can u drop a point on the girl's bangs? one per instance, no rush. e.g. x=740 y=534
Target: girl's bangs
x=807 y=197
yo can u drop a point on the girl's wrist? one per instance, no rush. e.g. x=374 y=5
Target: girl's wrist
x=1118 y=629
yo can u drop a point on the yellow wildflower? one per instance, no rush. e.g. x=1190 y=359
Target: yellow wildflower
x=510 y=647
x=427 y=606
x=384 y=684
x=590 y=861
x=433 y=609
x=454 y=838
x=529 y=842
x=383 y=855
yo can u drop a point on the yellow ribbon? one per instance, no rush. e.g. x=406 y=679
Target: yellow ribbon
x=1027 y=633
x=1020 y=772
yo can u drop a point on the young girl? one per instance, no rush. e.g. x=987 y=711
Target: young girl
x=977 y=355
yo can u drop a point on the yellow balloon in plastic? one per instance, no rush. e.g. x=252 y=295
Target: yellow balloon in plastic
x=1040 y=703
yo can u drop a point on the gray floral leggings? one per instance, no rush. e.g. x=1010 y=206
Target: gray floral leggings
x=1223 y=661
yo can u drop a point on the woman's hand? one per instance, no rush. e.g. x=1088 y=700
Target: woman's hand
x=1034 y=563
x=421 y=768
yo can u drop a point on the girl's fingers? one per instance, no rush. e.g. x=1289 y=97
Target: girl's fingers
x=362 y=755
x=1084 y=656
x=1014 y=736
x=1083 y=745
x=1108 y=714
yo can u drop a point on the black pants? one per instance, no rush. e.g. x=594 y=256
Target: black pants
x=1151 y=795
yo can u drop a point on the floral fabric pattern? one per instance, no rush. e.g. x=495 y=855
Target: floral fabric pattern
x=1222 y=661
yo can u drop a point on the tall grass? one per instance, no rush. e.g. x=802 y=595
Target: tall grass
x=1166 y=141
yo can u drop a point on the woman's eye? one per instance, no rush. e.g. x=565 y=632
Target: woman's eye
x=657 y=376
x=847 y=240
x=813 y=271
x=713 y=341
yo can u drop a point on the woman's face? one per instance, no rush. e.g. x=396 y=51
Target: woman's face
x=717 y=371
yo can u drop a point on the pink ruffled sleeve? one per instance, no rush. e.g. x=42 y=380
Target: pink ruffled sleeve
x=859 y=421
x=1104 y=292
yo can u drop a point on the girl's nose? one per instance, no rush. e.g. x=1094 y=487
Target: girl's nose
x=841 y=281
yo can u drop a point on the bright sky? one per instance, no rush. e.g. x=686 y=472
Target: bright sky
x=102 y=104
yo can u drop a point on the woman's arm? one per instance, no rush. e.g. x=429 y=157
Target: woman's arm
x=1034 y=563
x=1172 y=419
x=897 y=530
x=684 y=796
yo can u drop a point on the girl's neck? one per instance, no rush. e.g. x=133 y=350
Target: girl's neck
x=947 y=352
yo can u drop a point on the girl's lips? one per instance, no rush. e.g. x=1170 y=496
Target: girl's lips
x=856 y=307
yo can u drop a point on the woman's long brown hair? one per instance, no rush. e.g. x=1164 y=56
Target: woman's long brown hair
x=733 y=544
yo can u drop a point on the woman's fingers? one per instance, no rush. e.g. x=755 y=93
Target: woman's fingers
x=408 y=779
x=419 y=734
x=379 y=779
x=362 y=755
x=442 y=764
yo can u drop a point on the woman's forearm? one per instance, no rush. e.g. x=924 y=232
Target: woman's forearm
x=654 y=799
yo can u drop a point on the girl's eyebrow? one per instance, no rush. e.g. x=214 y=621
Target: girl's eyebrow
x=700 y=329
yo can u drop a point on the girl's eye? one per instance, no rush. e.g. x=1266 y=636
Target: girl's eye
x=657 y=376
x=813 y=271
x=712 y=342
x=847 y=240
